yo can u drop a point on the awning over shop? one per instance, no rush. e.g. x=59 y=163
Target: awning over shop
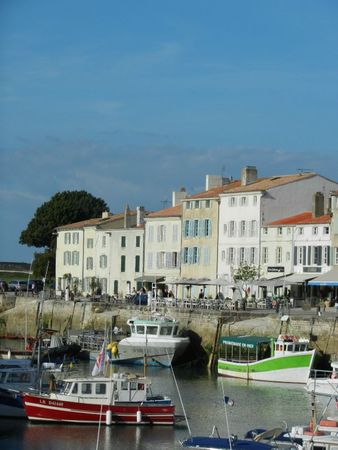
x=272 y=282
x=200 y=282
x=298 y=278
x=326 y=279
x=245 y=341
x=150 y=278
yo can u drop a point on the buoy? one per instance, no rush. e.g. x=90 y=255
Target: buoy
x=138 y=416
x=109 y=417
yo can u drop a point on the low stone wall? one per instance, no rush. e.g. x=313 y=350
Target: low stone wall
x=60 y=315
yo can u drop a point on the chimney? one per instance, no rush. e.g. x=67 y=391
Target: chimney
x=126 y=216
x=139 y=216
x=177 y=197
x=248 y=175
x=212 y=181
x=105 y=215
x=317 y=204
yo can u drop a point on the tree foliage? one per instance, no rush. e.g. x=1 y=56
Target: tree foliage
x=243 y=276
x=63 y=208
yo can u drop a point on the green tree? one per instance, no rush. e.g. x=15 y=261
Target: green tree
x=243 y=276
x=63 y=208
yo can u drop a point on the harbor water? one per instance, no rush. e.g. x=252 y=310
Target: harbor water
x=256 y=405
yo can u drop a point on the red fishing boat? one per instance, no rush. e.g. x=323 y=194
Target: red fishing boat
x=119 y=399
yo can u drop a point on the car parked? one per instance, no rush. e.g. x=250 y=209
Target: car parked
x=17 y=285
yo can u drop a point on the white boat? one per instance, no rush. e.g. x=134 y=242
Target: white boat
x=327 y=385
x=156 y=339
x=286 y=359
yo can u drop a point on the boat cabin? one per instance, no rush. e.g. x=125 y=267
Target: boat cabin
x=119 y=388
x=153 y=328
x=255 y=348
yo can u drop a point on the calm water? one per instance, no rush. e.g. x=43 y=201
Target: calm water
x=256 y=405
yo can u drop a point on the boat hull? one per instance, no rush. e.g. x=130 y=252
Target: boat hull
x=157 y=353
x=293 y=368
x=326 y=386
x=56 y=409
x=11 y=404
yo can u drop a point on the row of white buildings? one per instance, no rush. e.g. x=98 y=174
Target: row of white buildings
x=284 y=225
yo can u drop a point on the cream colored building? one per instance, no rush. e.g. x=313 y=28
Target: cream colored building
x=101 y=255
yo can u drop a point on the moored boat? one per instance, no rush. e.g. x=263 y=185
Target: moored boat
x=324 y=385
x=286 y=359
x=156 y=338
x=119 y=399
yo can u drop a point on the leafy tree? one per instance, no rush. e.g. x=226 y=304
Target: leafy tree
x=243 y=276
x=63 y=208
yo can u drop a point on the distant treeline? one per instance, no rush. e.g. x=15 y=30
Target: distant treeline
x=11 y=266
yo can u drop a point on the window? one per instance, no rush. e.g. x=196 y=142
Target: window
x=67 y=238
x=186 y=228
x=175 y=232
x=100 y=388
x=104 y=241
x=151 y=233
x=123 y=241
x=253 y=228
x=89 y=263
x=86 y=388
x=161 y=232
x=232 y=228
x=166 y=331
x=326 y=230
x=254 y=200
x=137 y=263
x=315 y=230
x=207 y=227
x=278 y=255
x=90 y=243
x=288 y=256
x=185 y=255
x=151 y=329
x=149 y=260
x=195 y=255
x=280 y=231
x=242 y=228
x=140 y=329
x=288 y=230
x=160 y=260
x=231 y=255
x=326 y=251
x=225 y=228
x=265 y=255
x=265 y=230
x=103 y=261
x=197 y=204
x=138 y=241
x=300 y=230
x=187 y=205
x=75 y=258
x=242 y=255
x=232 y=201
x=207 y=203
x=75 y=238
x=196 y=227
x=300 y=255
x=223 y=255
x=175 y=258
x=67 y=258
x=243 y=201
x=252 y=255
x=123 y=263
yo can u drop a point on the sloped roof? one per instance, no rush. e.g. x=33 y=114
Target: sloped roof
x=263 y=184
x=215 y=191
x=302 y=218
x=173 y=211
x=94 y=222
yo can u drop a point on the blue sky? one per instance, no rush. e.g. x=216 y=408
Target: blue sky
x=131 y=100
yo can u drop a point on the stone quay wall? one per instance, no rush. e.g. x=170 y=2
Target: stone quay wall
x=20 y=314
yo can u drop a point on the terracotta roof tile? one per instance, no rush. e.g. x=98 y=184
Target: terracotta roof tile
x=94 y=222
x=302 y=218
x=216 y=191
x=173 y=211
x=263 y=184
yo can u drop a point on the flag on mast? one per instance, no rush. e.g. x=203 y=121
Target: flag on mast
x=100 y=361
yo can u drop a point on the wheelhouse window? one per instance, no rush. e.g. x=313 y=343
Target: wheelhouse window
x=100 y=388
x=86 y=388
x=140 y=329
x=166 y=331
x=152 y=330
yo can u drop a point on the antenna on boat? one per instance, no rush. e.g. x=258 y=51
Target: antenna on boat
x=179 y=395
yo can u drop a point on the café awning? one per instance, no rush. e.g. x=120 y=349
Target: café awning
x=326 y=279
x=150 y=278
